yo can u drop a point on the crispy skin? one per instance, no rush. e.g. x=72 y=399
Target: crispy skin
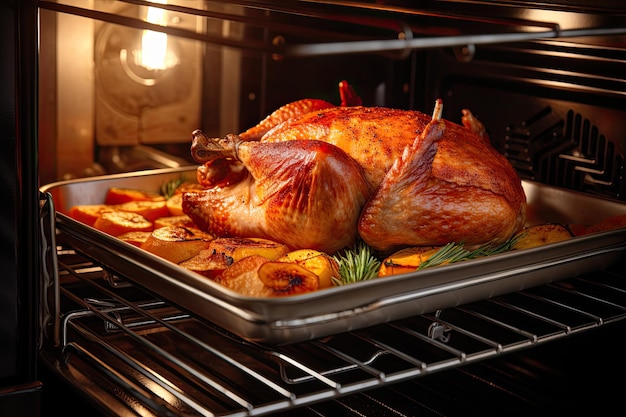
x=429 y=183
x=305 y=194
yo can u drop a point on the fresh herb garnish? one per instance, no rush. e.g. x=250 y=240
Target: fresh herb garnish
x=455 y=252
x=356 y=264
x=168 y=188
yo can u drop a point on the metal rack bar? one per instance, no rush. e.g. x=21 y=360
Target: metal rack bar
x=381 y=29
x=310 y=372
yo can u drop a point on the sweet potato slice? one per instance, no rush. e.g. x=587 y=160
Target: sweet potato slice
x=88 y=213
x=239 y=248
x=181 y=221
x=406 y=260
x=288 y=278
x=541 y=234
x=118 y=222
x=208 y=263
x=176 y=244
x=118 y=195
x=243 y=277
x=134 y=238
x=320 y=263
x=610 y=223
x=151 y=210
x=175 y=205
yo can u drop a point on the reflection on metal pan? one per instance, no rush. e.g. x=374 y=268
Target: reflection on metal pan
x=339 y=309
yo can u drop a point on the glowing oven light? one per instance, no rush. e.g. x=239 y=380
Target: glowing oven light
x=154 y=52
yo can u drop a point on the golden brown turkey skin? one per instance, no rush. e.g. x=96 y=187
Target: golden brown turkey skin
x=429 y=181
x=305 y=194
x=448 y=186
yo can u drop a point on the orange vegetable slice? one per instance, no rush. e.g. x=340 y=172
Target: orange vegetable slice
x=176 y=244
x=175 y=205
x=182 y=221
x=134 y=238
x=118 y=195
x=88 y=214
x=239 y=247
x=243 y=277
x=118 y=222
x=288 y=278
x=208 y=263
x=149 y=209
x=406 y=260
x=320 y=263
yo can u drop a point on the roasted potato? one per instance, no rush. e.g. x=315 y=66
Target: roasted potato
x=208 y=263
x=288 y=278
x=118 y=195
x=239 y=248
x=406 y=260
x=320 y=263
x=541 y=234
x=176 y=244
x=181 y=221
x=151 y=210
x=88 y=213
x=610 y=223
x=135 y=238
x=175 y=205
x=243 y=277
x=118 y=222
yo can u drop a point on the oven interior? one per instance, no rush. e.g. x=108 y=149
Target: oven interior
x=545 y=79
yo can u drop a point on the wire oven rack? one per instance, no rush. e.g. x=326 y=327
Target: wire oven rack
x=155 y=358
x=322 y=28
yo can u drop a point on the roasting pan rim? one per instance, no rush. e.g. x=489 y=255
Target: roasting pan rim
x=280 y=320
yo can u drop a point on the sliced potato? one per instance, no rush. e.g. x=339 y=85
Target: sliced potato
x=239 y=247
x=243 y=277
x=151 y=210
x=288 y=278
x=135 y=238
x=118 y=195
x=406 y=260
x=182 y=221
x=320 y=263
x=208 y=263
x=118 y=222
x=175 y=205
x=541 y=234
x=610 y=223
x=89 y=213
x=175 y=201
x=176 y=244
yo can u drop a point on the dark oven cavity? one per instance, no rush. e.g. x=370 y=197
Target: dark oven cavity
x=547 y=82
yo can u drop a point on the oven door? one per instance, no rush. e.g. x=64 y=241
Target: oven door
x=19 y=217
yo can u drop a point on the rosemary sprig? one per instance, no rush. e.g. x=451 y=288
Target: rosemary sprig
x=455 y=252
x=356 y=264
x=168 y=188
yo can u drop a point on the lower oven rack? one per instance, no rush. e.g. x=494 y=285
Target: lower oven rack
x=130 y=350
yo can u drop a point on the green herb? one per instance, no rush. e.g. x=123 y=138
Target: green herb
x=455 y=252
x=356 y=264
x=167 y=189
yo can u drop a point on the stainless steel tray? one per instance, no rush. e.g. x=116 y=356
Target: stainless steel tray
x=339 y=309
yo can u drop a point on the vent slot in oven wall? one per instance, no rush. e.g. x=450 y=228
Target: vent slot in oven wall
x=554 y=109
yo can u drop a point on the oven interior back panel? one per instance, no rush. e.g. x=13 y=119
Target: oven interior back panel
x=555 y=109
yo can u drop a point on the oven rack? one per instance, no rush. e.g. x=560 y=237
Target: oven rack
x=167 y=362
x=325 y=28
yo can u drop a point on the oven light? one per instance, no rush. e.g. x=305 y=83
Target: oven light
x=154 y=54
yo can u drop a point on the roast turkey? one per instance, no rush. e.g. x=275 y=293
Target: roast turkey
x=318 y=176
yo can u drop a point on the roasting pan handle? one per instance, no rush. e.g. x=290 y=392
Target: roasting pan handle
x=49 y=273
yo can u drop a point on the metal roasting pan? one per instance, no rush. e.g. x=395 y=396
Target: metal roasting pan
x=284 y=320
